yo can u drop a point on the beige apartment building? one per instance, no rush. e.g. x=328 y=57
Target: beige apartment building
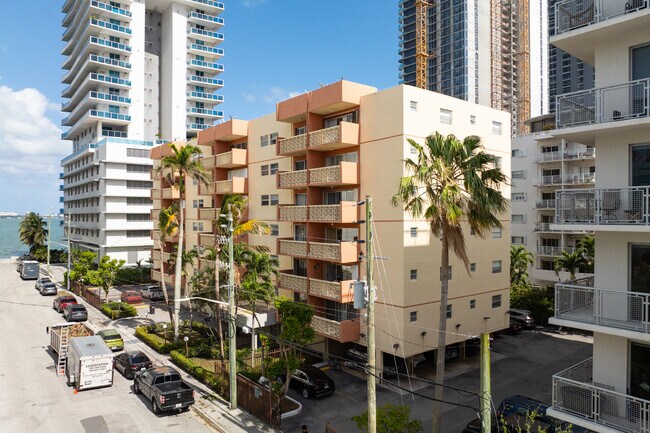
x=306 y=167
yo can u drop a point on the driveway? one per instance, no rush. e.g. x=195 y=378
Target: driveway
x=522 y=364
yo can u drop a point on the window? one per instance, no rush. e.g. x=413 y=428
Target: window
x=300 y=130
x=518 y=153
x=265 y=200
x=273 y=168
x=275 y=199
x=496 y=301
x=445 y=116
x=138 y=201
x=449 y=311
x=519 y=174
x=414 y=274
x=518 y=196
x=448 y=272
x=472 y=304
x=275 y=230
x=414 y=316
x=496 y=233
x=517 y=240
x=137 y=153
x=496 y=128
x=518 y=218
x=472 y=232
x=472 y=267
x=264 y=140
x=197 y=226
x=414 y=105
x=138 y=233
x=414 y=232
x=265 y=170
x=197 y=203
x=496 y=266
x=472 y=119
x=273 y=138
x=300 y=199
x=139 y=184
x=137 y=168
x=497 y=162
x=138 y=217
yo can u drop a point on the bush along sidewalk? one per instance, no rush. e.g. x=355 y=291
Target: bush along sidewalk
x=118 y=310
x=206 y=377
x=157 y=343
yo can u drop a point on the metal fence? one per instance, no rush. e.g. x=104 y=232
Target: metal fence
x=573 y=14
x=629 y=205
x=575 y=393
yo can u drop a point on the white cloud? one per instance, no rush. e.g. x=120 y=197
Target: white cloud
x=270 y=96
x=30 y=149
x=252 y=3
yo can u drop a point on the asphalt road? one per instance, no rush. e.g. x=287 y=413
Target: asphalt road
x=523 y=364
x=33 y=398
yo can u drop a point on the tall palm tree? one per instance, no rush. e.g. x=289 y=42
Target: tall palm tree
x=32 y=231
x=451 y=182
x=520 y=260
x=184 y=163
x=570 y=262
x=168 y=228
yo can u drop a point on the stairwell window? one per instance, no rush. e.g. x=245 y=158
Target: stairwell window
x=413 y=105
x=518 y=218
x=413 y=316
x=414 y=232
x=414 y=274
x=449 y=311
x=445 y=116
x=517 y=240
x=519 y=174
x=496 y=128
x=472 y=304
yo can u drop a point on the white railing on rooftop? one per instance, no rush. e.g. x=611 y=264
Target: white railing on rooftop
x=617 y=206
x=573 y=14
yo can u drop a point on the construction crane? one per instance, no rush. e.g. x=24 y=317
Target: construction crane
x=421 y=43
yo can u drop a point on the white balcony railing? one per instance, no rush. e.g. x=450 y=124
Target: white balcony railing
x=545 y=204
x=628 y=205
x=576 y=394
x=579 y=301
x=547 y=250
x=567 y=155
x=573 y=14
x=606 y=104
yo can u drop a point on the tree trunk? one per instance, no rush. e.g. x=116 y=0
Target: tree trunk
x=442 y=336
x=163 y=286
x=179 y=260
x=217 y=291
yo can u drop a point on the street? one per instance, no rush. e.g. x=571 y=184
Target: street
x=33 y=398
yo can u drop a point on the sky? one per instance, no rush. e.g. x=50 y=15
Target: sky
x=273 y=49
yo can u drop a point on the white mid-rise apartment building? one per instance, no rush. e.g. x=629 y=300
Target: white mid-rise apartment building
x=611 y=391
x=542 y=164
x=136 y=72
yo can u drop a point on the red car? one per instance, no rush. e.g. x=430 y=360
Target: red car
x=131 y=297
x=61 y=302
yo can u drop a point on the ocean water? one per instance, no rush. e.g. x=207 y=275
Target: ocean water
x=10 y=245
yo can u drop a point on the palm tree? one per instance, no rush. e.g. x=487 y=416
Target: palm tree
x=168 y=228
x=588 y=247
x=520 y=260
x=570 y=262
x=32 y=231
x=183 y=163
x=451 y=182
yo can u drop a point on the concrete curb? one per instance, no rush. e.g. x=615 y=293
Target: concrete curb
x=206 y=419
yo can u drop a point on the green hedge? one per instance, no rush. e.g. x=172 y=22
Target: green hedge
x=117 y=310
x=155 y=342
x=214 y=382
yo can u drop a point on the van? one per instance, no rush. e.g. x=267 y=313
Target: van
x=153 y=293
x=523 y=317
x=29 y=270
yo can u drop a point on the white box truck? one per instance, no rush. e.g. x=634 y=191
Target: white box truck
x=29 y=270
x=90 y=363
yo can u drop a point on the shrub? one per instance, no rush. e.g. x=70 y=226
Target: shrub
x=216 y=383
x=154 y=341
x=117 y=310
x=133 y=275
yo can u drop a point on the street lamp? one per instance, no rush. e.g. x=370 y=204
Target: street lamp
x=165 y=331
x=186 y=339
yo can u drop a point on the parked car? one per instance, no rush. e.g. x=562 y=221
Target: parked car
x=475 y=426
x=40 y=282
x=165 y=389
x=153 y=293
x=131 y=297
x=75 y=313
x=523 y=317
x=129 y=363
x=359 y=354
x=517 y=408
x=112 y=338
x=510 y=423
x=48 y=289
x=61 y=302
x=310 y=382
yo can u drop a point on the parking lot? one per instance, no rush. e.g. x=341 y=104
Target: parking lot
x=522 y=364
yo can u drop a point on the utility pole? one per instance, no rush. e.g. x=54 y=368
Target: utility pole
x=49 y=234
x=372 y=387
x=486 y=418
x=67 y=217
x=232 y=344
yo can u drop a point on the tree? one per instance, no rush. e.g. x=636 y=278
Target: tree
x=570 y=262
x=295 y=331
x=82 y=263
x=32 y=232
x=168 y=228
x=183 y=163
x=588 y=247
x=451 y=182
x=390 y=419
x=520 y=260
x=104 y=275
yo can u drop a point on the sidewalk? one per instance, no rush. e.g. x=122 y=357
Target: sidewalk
x=209 y=407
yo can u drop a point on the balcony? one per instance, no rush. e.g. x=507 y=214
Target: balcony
x=337 y=137
x=205 y=35
x=208 y=240
x=205 y=81
x=617 y=312
x=205 y=50
x=337 y=252
x=340 y=291
x=170 y=193
x=233 y=158
x=293 y=179
x=566 y=156
x=208 y=4
x=344 y=331
x=293 y=145
x=546 y=250
x=545 y=204
x=582 y=25
x=604 y=106
x=209 y=214
x=343 y=213
x=567 y=179
x=579 y=400
x=292 y=282
x=293 y=248
x=236 y=185
x=199 y=18
x=204 y=112
x=293 y=213
x=345 y=173
x=613 y=209
x=196 y=127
